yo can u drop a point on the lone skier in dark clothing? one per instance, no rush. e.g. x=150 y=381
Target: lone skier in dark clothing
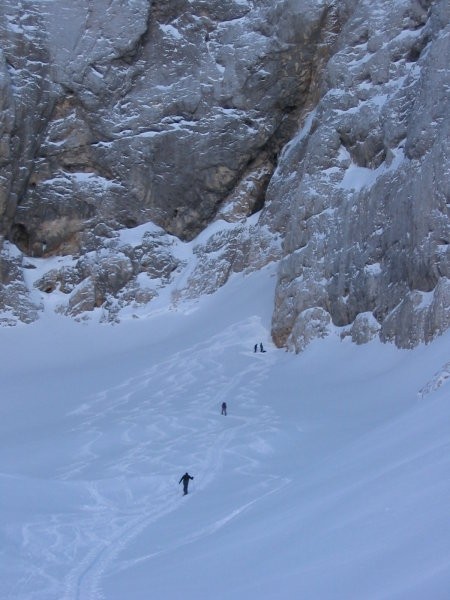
x=224 y=408
x=256 y=347
x=261 y=347
x=185 y=480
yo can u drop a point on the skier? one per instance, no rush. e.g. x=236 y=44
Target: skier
x=185 y=480
x=261 y=347
x=256 y=347
x=224 y=408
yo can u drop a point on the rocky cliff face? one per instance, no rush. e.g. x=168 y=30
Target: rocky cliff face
x=311 y=133
x=124 y=113
x=366 y=185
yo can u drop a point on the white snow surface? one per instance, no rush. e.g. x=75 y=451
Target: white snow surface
x=328 y=478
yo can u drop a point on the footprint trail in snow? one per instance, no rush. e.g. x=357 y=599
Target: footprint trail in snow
x=133 y=441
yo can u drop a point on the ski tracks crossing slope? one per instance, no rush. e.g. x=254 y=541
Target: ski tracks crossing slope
x=135 y=441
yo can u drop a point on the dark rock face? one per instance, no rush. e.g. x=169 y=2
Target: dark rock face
x=145 y=112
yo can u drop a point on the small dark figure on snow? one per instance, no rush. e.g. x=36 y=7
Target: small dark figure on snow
x=261 y=348
x=256 y=348
x=185 y=480
x=224 y=408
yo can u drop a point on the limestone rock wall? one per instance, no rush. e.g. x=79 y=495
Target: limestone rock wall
x=313 y=133
x=123 y=113
x=362 y=192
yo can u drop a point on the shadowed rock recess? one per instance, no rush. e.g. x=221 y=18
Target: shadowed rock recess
x=313 y=133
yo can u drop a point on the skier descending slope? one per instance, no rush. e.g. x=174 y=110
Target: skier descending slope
x=185 y=480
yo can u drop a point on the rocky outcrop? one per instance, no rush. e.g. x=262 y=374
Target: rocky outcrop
x=361 y=193
x=238 y=249
x=118 y=275
x=15 y=302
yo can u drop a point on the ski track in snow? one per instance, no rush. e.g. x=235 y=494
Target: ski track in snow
x=158 y=435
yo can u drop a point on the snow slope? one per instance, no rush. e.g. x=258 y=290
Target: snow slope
x=328 y=479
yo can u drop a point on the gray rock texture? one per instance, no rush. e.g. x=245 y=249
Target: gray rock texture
x=361 y=193
x=145 y=111
x=15 y=302
x=313 y=133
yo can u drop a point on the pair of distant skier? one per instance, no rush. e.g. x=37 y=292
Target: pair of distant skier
x=261 y=347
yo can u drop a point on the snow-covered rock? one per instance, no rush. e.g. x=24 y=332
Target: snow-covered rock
x=362 y=192
x=310 y=133
x=16 y=304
